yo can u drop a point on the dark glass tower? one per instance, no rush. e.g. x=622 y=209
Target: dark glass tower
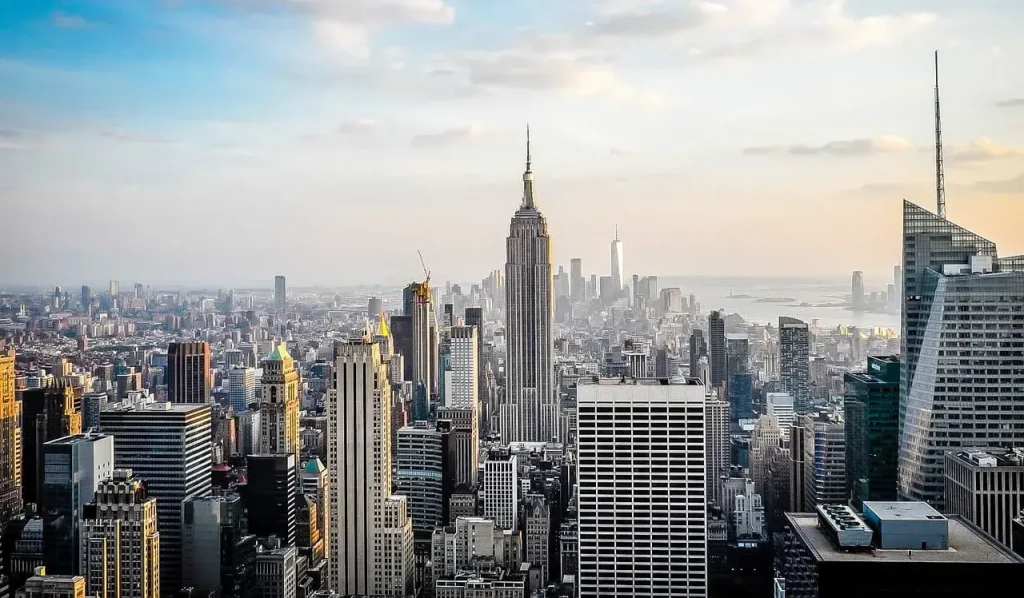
x=716 y=348
x=871 y=412
x=270 y=496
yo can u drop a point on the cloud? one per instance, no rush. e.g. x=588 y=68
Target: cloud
x=982 y=149
x=64 y=20
x=882 y=189
x=131 y=136
x=448 y=136
x=11 y=139
x=1014 y=186
x=841 y=147
x=660 y=21
x=1011 y=103
x=358 y=126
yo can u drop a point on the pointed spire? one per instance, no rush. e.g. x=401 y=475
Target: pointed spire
x=940 y=177
x=616 y=232
x=528 y=176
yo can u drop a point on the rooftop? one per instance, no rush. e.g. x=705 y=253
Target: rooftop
x=990 y=457
x=677 y=381
x=967 y=544
x=902 y=510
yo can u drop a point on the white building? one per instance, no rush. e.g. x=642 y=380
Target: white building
x=530 y=410
x=748 y=513
x=276 y=573
x=241 y=388
x=780 y=404
x=641 y=489
x=455 y=547
x=363 y=519
x=716 y=441
x=617 y=262
x=501 y=489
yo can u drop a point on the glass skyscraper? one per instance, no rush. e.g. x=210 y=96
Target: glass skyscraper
x=961 y=381
x=871 y=413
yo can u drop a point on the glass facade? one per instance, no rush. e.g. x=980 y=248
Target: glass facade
x=871 y=413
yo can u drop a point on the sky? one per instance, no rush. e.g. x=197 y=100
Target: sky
x=226 y=141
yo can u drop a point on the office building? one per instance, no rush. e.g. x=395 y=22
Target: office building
x=617 y=277
x=241 y=388
x=824 y=455
x=530 y=411
x=359 y=466
x=48 y=413
x=374 y=307
x=279 y=404
x=492 y=583
x=168 y=445
x=72 y=469
x=537 y=534
x=960 y=300
x=716 y=349
x=577 y=284
x=747 y=513
x=457 y=547
x=276 y=573
x=270 y=494
x=986 y=487
x=740 y=390
x=46 y=585
x=795 y=361
x=641 y=489
x=218 y=554
x=401 y=337
x=121 y=548
x=464 y=444
x=280 y=294
x=501 y=489
x=422 y=458
x=857 y=293
x=894 y=549
x=316 y=484
x=396 y=549
x=766 y=437
x=188 y=373
x=698 y=349
x=464 y=376
x=871 y=415
x=716 y=447
x=780 y=404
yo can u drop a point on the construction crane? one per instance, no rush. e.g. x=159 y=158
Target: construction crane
x=425 y=295
x=424 y=265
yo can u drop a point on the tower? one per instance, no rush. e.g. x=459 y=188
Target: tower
x=279 y=404
x=795 y=361
x=616 y=263
x=716 y=349
x=10 y=442
x=530 y=411
x=940 y=177
x=280 y=294
x=188 y=373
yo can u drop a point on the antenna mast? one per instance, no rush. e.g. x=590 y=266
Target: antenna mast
x=940 y=177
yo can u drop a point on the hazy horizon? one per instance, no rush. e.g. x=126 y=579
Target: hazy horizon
x=224 y=141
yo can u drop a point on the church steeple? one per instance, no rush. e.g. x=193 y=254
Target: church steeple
x=528 y=176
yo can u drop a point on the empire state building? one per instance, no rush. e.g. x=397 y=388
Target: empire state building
x=530 y=410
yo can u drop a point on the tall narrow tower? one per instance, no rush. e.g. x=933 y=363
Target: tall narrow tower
x=279 y=404
x=940 y=177
x=10 y=442
x=617 y=262
x=530 y=411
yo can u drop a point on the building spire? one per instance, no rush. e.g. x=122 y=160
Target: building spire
x=616 y=232
x=940 y=177
x=528 y=175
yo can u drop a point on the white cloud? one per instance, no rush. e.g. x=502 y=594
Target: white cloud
x=840 y=147
x=982 y=149
x=361 y=125
x=1014 y=186
x=449 y=136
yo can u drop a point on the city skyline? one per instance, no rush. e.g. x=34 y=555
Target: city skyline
x=679 y=135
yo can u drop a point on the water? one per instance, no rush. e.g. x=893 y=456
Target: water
x=820 y=293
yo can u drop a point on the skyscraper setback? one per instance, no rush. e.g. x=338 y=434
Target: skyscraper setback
x=530 y=411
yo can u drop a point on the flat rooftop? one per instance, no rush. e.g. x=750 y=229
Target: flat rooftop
x=676 y=381
x=966 y=545
x=903 y=511
x=983 y=457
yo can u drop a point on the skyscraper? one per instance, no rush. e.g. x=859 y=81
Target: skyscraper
x=316 y=484
x=871 y=412
x=218 y=553
x=698 y=349
x=716 y=447
x=577 y=284
x=961 y=350
x=10 y=442
x=270 y=496
x=420 y=477
x=121 y=547
x=362 y=508
x=279 y=404
x=716 y=349
x=857 y=292
x=280 y=294
x=617 y=277
x=501 y=489
x=241 y=388
x=49 y=413
x=188 y=373
x=422 y=353
x=660 y=548
x=73 y=468
x=530 y=412
x=795 y=361
x=169 y=445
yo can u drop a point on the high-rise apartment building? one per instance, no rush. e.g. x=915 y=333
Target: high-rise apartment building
x=121 y=545
x=501 y=489
x=188 y=372
x=871 y=416
x=10 y=442
x=716 y=349
x=362 y=551
x=422 y=319
x=617 y=277
x=169 y=446
x=279 y=404
x=716 y=447
x=280 y=294
x=986 y=487
x=241 y=388
x=463 y=377
x=960 y=352
x=641 y=490
x=530 y=411
x=270 y=495
x=795 y=361
x=73 y=468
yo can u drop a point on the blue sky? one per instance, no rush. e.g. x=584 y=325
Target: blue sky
x=225 y=141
